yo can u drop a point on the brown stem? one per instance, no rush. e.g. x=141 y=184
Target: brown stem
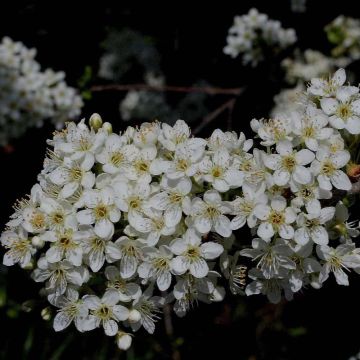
x=169 y=88
x=228 y=105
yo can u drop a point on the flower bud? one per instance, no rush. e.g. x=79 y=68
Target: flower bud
x=37 y=242
x=134 y=316
x=123 y=340
x=46 y=313
x=95 y=121
x=107 y=127
x=353 y=171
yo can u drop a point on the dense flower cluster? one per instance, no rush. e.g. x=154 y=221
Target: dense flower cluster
x=120 y=224
x=29 y=96
x=344 y=33
x=253 y=33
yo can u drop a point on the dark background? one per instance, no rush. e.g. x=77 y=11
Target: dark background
x=68 y=35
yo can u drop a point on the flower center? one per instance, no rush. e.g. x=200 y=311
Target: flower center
x=117 y=158
x=192 y=253
x=344 y=111
x=328 y=168
x=308 y=132
x=38 y=220
x=142 y=166
x=217 y=172
x=277 y=218
x=212 y=212
x=57 y=218
x=181 y=165
x=104 y=312
x=289 y=162
x=75 y=174
x=134 y=203
x=101 y=212
x=175 y=198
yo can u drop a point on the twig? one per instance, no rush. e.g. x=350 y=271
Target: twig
x=228 y=105
x=169 y=88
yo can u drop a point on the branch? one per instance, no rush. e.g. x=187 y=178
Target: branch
x=169 y=88
x=228 y=105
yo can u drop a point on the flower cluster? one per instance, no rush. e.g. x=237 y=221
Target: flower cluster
x=29 y=96
x=254 y=33
x=344 y=33
x=121 y=224
x=306 y=66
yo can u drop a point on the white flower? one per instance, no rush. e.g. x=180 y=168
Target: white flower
x=311 y=225
x=157 y=265
x=146 y=307
x=208 y=214
x=220 y=172
x=140 y=169
x=97 y=249
x=272 y=131
x=63 y=246
x=59 y=275
x=73 y=174
x=101 y=211
x=19 y=248
x=337 y=259
x=80 y=143
x=275 y=218
x=311 y=127
x=130 y=254
x=327 y=167
x=243 y=207
x=344 y=111
x=105 y=312
x=59 y=214
x=192 y=254
x=117 y=155
x=131 y=198
x=151 y=225
x=72 y=309
x=327 y=88
x=172 y=136
x=186 y=158
x=127 y=290
x=174 y=200
x=270 y=257
x=289 y=164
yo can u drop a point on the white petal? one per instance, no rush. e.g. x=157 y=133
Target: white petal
x=110 y=327
x=301 y=236
x=202 y=224
x=179 y=265
x=302 y=175
x=222 y=226
x=340 y=180
x=199 y=268
x=278 y=203
x=121 y=312
x=329 y=105
x=164 y=281
x=281 y=177
x=211 y=250
x=286 y=231
x=352 y=125
x=304 y=157
x=319 y=235
x=85 y=217
x=61 y=321
x=104 y=228
x=265 y=231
